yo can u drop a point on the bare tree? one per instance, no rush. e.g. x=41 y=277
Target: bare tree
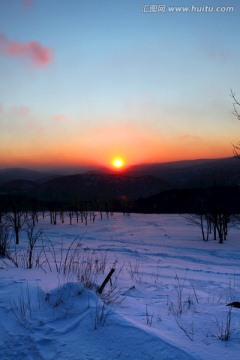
x=236 y=105
x=33 y=236
x=236 y=112
x=201 y=221
x=16 y=217
x=70 y=214
x=213 y=214
x=4 y=240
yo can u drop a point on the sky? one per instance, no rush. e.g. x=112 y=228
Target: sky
x=85 y=81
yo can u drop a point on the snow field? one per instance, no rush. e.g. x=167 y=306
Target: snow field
x=167 y=298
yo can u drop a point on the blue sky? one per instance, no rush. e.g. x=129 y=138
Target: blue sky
x=107 y=79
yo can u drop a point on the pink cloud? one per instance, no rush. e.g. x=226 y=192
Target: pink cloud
x=38 y=54
x=214 y=49
x=27 y=3
x=189 y=137
x=60 y=117
x=41 y=130
x=22 y=110
x=219 y=55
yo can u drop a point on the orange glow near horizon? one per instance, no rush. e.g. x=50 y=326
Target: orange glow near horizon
x=109 y=149
x=113 y=146
x=71 y=158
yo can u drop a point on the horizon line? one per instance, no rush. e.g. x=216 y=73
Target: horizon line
x=84 y=167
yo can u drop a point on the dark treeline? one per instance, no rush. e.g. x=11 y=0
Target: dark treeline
x=215 y=199
x=214 y=210
x=10 y=202
x=224 y=199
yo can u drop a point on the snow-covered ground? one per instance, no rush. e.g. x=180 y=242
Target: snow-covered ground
x=166 y=300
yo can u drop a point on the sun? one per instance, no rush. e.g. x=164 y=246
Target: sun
x=118 y=163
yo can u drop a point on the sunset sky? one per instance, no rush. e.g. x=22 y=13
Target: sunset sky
x=84 y=81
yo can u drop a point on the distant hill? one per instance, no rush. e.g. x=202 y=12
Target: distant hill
x=17 y=186
x=223 y=199
x=193 y=173
x=100 y=187
x=13 y=174
x=140 y=181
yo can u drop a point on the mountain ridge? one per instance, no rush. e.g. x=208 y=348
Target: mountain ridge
x=135 y=182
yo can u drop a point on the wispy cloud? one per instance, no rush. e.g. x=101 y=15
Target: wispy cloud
x=189 y=137
x=22 y=111
x=215 y=49
x=60 y=117
x=219 y=55
x=20 y=120
x=27 y=3
x=38 y=54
